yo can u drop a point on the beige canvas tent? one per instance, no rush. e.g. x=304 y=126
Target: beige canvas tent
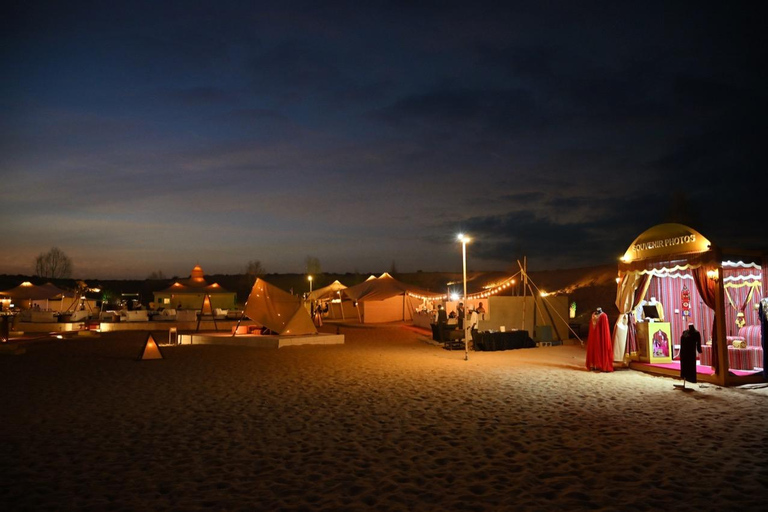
x=327 y=292
x=277 y=310
x=190 y=293
x=338 y=305
x=385 y=299
x=27 y=293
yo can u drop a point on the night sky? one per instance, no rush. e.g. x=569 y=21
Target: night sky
x=153 y=136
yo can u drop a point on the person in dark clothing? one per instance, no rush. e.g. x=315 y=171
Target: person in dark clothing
x=442 y=318
x=690 y=346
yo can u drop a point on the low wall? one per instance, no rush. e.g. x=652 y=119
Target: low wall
x=259 y=341
x=205 y=325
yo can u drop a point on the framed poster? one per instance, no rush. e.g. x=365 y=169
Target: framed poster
x=659 y=342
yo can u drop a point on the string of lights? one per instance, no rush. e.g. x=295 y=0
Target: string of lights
x=488 y=290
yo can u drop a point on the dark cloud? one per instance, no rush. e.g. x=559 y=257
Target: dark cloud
x=497 y=111
x=551 y=235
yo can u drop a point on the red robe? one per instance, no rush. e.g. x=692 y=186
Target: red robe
x=599 y=348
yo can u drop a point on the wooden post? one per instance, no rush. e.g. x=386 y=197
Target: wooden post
x=722 y=376
x=525 y=286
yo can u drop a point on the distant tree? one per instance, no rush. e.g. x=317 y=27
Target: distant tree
x=393 y=268
x=53 y=264
x=313 y=265
x=254 y=269
x=157 y=274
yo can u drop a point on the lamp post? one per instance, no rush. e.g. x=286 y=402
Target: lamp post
x=309 y=278
x=464 y=241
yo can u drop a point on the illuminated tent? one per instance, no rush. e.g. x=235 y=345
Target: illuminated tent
x=277 y=310
x=190 y=293
x=327 y=292
x=385 y=299
x=27 y=291
x=331 y=295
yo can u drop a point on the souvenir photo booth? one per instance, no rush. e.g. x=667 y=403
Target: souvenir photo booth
x=672 y=277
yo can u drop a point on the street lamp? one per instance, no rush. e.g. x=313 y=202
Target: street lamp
x=464 y=241
x=309 y=278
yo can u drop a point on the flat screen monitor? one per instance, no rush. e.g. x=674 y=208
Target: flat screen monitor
x=650 y=311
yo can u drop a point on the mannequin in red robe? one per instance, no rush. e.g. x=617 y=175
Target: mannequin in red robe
x=599 y=348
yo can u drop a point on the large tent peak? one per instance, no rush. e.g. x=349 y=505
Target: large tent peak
x=278 y=310
x=327 y=292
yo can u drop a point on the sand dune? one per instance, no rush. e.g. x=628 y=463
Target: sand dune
x=384 y=422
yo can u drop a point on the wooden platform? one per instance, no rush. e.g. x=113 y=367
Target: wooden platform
x=207 y=325
x=258 y=341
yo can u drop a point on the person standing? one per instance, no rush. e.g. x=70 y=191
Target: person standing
x=690 y=346
x=460 y=312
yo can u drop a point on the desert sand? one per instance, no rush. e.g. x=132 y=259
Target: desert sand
x=385 y=422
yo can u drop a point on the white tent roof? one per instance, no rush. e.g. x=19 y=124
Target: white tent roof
x=382 y=288
x=277 y=310
x=327 y=292
x=29 y=291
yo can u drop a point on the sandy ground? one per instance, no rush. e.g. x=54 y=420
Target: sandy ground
x=384 y=422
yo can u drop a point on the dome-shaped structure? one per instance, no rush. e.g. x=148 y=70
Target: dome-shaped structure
x=197 y=274
x=666 y=239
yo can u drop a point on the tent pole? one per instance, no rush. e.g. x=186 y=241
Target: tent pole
x=242 y=314
x=554 y=325
x=525 y=286
x=558 y=314
x=237 y=326
x=536 y=308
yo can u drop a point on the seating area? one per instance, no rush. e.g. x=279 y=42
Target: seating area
x=509 y=340
x=166 y=315
x=449 y=335
x=74 y=316
x=134 y=316
x=30 y=315
x=36 y=316
x=745 y=351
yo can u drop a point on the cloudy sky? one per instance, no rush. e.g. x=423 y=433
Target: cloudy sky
x=145 y=136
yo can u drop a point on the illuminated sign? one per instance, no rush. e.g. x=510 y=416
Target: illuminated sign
x=666 y=239
x=669 y=242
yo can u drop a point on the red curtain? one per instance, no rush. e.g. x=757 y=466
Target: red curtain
x=706 y=288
